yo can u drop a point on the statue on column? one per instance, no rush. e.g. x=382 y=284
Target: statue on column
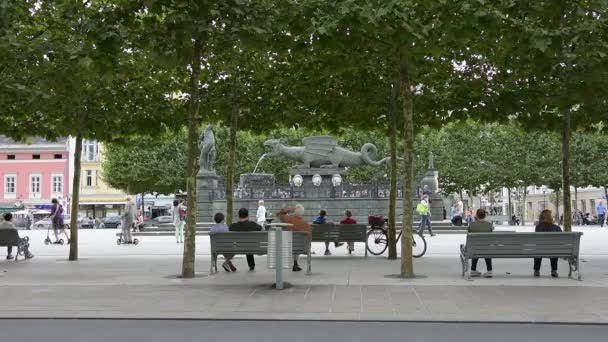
x=431 y=161
x=207 y=147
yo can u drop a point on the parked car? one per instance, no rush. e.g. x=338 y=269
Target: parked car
x=87 y=223
x=110 y=222
x=47 y=224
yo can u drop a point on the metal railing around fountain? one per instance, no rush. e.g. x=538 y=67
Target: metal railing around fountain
x=291 y=192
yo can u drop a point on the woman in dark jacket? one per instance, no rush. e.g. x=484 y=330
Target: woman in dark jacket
x=545 y=224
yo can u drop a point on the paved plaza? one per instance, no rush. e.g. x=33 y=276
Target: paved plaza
x=124 y=281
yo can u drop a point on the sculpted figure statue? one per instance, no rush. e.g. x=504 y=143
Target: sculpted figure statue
x=207 y=147
x=323 y=151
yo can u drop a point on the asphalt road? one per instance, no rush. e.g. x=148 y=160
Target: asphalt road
x=291 y=331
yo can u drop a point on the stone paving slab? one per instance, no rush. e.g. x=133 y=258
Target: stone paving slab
x=140 y=282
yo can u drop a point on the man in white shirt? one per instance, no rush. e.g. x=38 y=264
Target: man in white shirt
x=260 y=217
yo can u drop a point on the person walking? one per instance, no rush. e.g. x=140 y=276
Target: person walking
x=7 y=224
x=481 y=226
x=127 y=220
x=179 y=218
x=28 y=221
x=424 y=211
x=545 y=224
x=601 y=213
x=295 y=217
x=260 y=216
x=244 y=225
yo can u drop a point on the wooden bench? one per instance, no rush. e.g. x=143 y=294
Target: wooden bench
x=340 y=233
x=253 y=243
x=10 y=238
x=522 y=245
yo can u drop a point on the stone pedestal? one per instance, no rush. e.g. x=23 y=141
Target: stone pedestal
x=208 y=189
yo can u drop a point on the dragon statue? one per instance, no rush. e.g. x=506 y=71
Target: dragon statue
x=324 y=152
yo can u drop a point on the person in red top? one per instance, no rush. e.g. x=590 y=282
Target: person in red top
x=348 y=219
x=294 y=216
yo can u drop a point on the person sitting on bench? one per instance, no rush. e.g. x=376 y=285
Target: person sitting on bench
x=481 y=226
x=8 y=224
x=322 y=220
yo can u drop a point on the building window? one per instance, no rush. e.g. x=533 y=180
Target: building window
x=89 y=150
x=35 y=186
x=10 y=157
x=57 y=184
x=592 y=205
x=89 y=179
x=10 y=184
x=35 y=156
x=59 y=156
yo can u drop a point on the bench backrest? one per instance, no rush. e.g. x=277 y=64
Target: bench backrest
x=9 y=237
x=252 y=242
x=522 y=245
x=339 y=232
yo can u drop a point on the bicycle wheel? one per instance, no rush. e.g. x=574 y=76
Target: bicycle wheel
x=419 y=245
x=377 y=241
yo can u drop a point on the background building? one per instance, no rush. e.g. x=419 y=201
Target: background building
x=33 y=173
x=97 y=199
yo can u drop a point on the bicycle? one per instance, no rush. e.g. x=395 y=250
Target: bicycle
x=377 y=238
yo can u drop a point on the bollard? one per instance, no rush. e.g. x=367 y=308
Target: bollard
x=279 y=258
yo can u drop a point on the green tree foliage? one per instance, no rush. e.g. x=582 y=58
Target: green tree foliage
x=72 y=72
x=147 y=164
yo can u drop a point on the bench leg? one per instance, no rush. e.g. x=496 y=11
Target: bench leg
x=570 y=266
x=308 y=260
x=213 y=263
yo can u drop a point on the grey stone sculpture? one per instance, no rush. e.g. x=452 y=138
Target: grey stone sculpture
x=324 y=152
x=207 y=147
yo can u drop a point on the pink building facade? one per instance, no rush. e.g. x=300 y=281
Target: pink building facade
x=33 y=174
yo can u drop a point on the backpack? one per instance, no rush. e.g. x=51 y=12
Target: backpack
x=182 y=214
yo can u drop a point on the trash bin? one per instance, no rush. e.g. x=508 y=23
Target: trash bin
x=280 y=252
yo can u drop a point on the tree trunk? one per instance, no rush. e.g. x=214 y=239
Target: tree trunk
x=557 y=206
x=509 y=207
x=75 y=198
x=192 y=167
x=566 y=171
x=392 y=210
x=234 y=120
x=143 y=205
x=525 y=208
x=407 y=262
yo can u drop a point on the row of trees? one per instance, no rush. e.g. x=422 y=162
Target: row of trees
x=108 y=70
x=470 y=157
